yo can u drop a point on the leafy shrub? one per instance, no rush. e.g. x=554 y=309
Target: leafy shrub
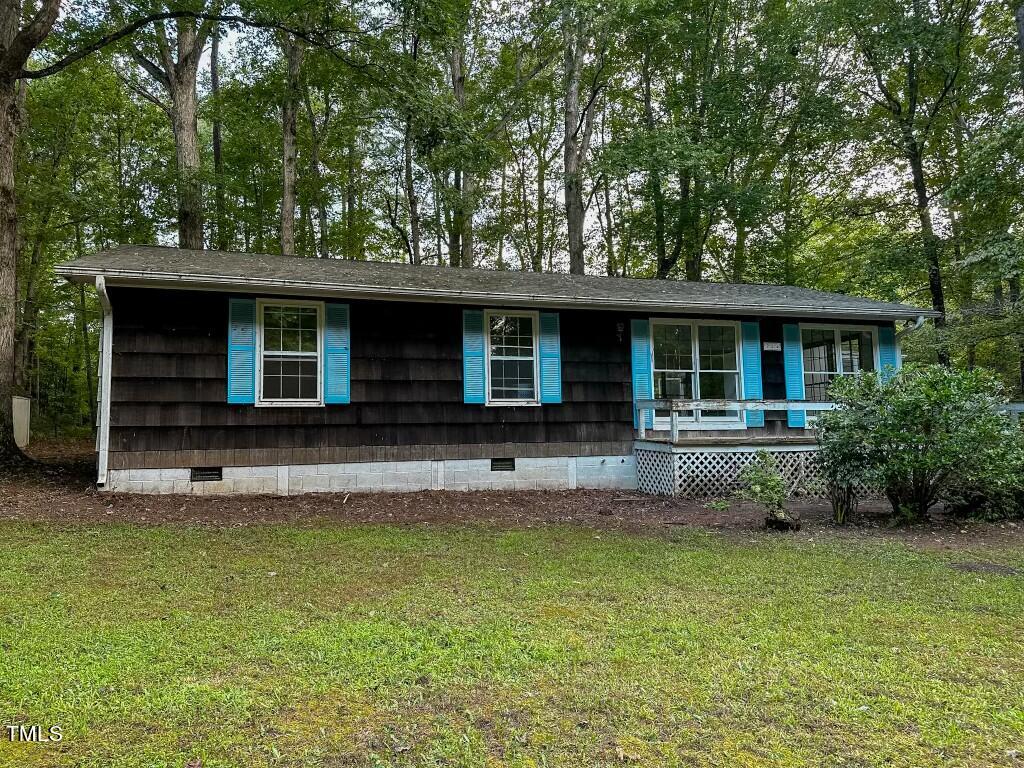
x=925 y=435
x=762 y=484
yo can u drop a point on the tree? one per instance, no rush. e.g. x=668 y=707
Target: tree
x=581 y=42
x=173 y=64
x=913 y=54
x=293 y=53
x=17 y=41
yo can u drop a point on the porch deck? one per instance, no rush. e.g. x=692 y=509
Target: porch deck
x=703 y=465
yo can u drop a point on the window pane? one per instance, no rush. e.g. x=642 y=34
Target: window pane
x=719 y=386
x=676 y=384
x=673 y=347
x=717 y=344
x=290 y=378
x=512 y=380
x=272 y=339
x=819 y=350
x=289 y=329
x=816 y=386
x=858 y=352
x=271 y=386
x=511 y=336
x=290 y=387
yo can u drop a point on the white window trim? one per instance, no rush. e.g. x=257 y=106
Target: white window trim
x=500 y=403
x=319 y=401
x=714 y=422
x=812 y=416
x=836 y=329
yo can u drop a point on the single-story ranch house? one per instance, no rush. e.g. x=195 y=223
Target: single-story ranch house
x=231 y=372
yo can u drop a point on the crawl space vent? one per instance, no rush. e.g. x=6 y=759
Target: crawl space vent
x=503 y=465
x=201 y=474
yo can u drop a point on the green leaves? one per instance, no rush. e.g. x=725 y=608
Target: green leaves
x=927 y=434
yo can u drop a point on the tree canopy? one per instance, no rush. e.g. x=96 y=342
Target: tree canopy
x=868 y=147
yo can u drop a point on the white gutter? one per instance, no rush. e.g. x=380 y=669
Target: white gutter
x=395 y=293
x=106 y=350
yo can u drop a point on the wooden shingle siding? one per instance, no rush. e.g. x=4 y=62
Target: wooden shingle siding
x=169 y=393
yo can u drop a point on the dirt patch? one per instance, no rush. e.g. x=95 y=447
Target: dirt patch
x=57 y=486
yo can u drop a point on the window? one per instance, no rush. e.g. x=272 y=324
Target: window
x=696 y=360
x=832 y=352
x=512 y=357
x=289 y=355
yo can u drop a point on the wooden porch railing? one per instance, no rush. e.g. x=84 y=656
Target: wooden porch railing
x=677 y=406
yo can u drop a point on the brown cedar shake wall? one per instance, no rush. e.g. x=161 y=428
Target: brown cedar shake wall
x=169 y=399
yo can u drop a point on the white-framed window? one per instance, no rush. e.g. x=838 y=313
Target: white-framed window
x=697 y=360
x=512 y=360
x=289 y=353
x=830 y=351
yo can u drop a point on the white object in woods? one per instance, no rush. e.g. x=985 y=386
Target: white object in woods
x=22 y=417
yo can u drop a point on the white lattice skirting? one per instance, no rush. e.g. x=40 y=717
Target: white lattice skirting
x=704 y=472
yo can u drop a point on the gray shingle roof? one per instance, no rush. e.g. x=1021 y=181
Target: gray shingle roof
x=253 y=273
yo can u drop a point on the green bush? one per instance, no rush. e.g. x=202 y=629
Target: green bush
x=926 y=434
x=762 y=484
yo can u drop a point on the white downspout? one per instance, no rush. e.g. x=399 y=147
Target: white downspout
x=106 y=350
x=918 y=322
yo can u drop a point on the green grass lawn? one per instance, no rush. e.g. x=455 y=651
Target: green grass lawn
x=372 y=645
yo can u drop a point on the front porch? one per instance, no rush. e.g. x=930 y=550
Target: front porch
x=698 y=465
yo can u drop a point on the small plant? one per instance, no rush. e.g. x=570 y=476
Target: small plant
x=762 y=484
x=718 y=505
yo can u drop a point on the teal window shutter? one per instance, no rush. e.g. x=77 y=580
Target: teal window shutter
x=242 y=351
x=473 y=379
x=751 y=355
x=550 y=358
x=888 y=352
x=337 y=355
x=793 y=359
x=640 y=356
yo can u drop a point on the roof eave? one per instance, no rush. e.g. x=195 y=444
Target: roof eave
x=300 y=287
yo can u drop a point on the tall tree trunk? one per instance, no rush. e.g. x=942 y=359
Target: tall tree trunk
x=1015 y=281
x=83 y=319
x=542 y=197
x=611 y=267
x=177 y=74
x=10 y=123
x=502 y=205
x=929 y=241
x=739 y=254
x=24 y=336
x=289 y=143
x=223 y=240
x=574 y=214
x=455 y=227
x=462 y=215
x=412 y=199
x=654 y=175
x=350 y=202
x=1019 y=16
x=468 y=202
x=1014 y=295
x=184 y=118
x=316 y=140
x=122 y=195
